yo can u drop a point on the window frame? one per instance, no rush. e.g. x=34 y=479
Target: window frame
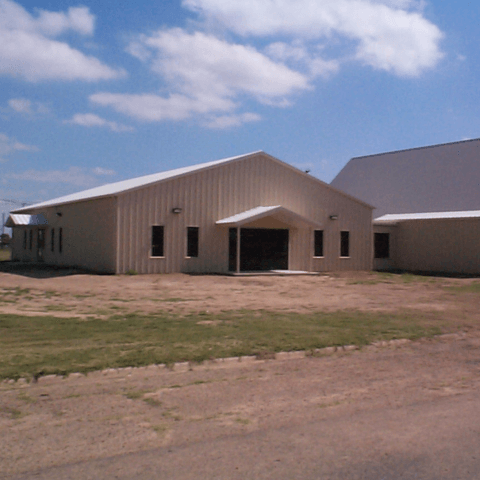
x=318 y=244
x=344 y=244
x=156 y=236
x=193 y=242
x=52 y=240
x=381 y=249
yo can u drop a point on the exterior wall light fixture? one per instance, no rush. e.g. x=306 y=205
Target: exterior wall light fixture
x=59 y=214
x=176 y=210
x=333 y=217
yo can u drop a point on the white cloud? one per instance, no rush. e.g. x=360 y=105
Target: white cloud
x=209 y=77
x=73 y=176
x=391 y=35
x=78 y=19
x=103 y=171
x=138 y=50
x=23 y=105
x=154 y=108
x=203 y=63
x=20 y=105
x=299 y=54
x=205 y=75
x=228 y=121
x=9 y=145
x=92 y=120
x=28 y=49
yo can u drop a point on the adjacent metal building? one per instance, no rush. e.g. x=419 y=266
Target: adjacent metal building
x=427 y=204
x=438 y=178
x=247 y=213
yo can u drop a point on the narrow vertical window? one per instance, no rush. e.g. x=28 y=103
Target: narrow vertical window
x=24 y=239
x=344 y=244
x=382 y=245
x=30 y=239
x=318 y=250
x=232 y=249
x=157 y=241
x=192 y=241
x=60 y=240
x=52 y=240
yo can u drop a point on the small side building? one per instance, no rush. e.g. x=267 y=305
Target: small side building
x=247 y=213
x=437 y=242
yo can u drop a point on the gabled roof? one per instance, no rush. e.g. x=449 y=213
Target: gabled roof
x=390 y=219
x=114 y=189
x=276 y=211
x=437 y=178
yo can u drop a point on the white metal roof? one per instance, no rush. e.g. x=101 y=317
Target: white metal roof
x=250 y=215
x=392 y=218
x=125 y=185
x=277 y=211
x=15 y=220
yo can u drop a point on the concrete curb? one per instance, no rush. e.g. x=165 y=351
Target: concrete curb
x=180 y=367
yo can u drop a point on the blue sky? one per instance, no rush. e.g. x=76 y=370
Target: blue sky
x=96 y=92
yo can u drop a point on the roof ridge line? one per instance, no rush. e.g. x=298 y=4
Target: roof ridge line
x=417 y=148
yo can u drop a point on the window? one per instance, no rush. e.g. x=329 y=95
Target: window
x=192 y=241
x=157 y=241
x=382 y=245
x=232 y=249
x=344 y=244
x=318 y=249
x=25 y=240
x=60 y=240
x=30 y=239
x=52 y=240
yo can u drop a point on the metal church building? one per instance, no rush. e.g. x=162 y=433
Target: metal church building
x=247 y=213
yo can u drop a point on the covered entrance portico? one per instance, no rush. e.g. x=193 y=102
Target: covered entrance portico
x=259 y=239
x=34 y=232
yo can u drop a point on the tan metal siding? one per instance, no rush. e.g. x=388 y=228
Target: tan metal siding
x=228 y=189
x=446 y=245
x=88 y=231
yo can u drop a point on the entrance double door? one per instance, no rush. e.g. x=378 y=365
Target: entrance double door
x=260 y=249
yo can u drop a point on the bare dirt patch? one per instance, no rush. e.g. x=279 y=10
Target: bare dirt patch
x=101 y=296
x=80 y=419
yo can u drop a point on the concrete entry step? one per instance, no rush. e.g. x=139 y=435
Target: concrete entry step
x=272 y=272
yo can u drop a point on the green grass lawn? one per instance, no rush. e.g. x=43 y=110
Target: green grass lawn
x=34 y=346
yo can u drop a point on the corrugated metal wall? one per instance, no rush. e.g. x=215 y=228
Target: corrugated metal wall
x=88 y=236
x=441 y=245
x=228 y=189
